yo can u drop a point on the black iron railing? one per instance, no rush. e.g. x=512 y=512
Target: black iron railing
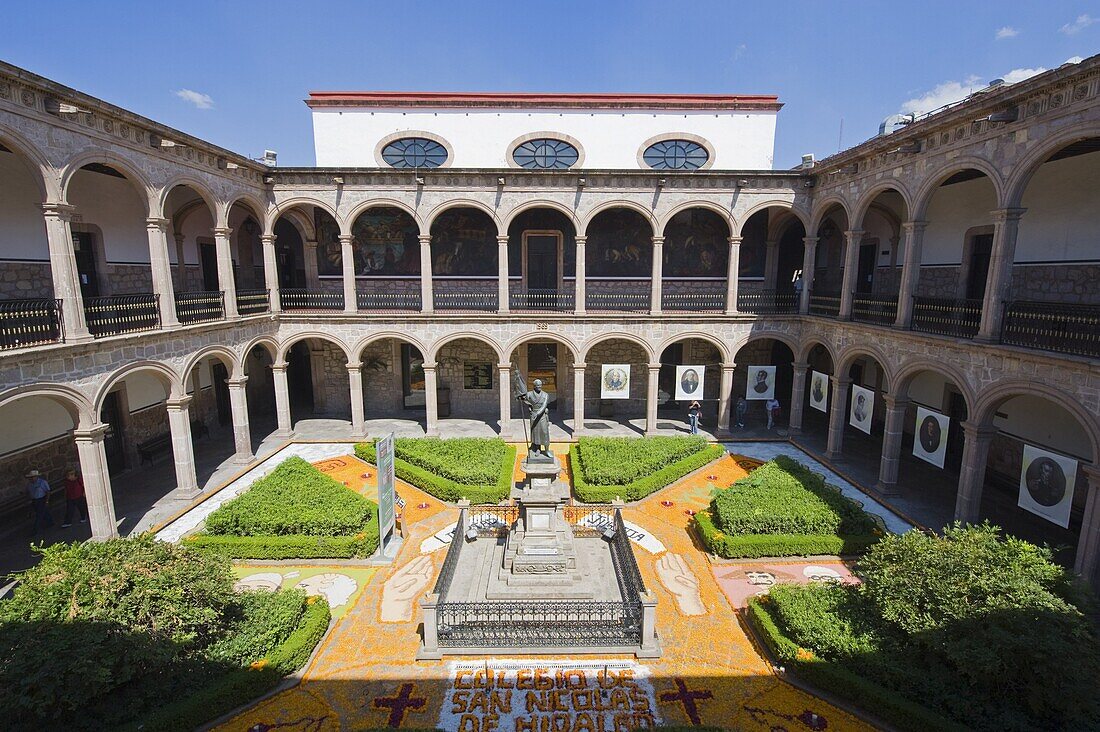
x=315 y=300
x=447 y=572
x=467 y=301
x=388 y=301
x=29 y=322
x=879 y=310
x=538 y=624
x=946 y=316
x=199 y=307
x=626 y=566
x=114 y=314
x=826 y=304
x=542 y=300
x=252 y=302
x=492 y=520
x=767 y=302
x=630 y=301
x=1052 y=326
x=694 y=302
x=589 y=520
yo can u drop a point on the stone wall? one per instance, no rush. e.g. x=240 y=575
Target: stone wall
x=387 y=285
x=19 y=280
x=939 y=281
x=52 y=458
x=466 y=403
x=1072 y=283
x=331 y=393
x=887 y=282
x=382 y=390
x=440 y=284
x=125 y=279
x=616 y=351
x=693 y=286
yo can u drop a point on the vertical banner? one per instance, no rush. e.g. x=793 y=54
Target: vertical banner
x=689 y=383
x=863 y=407
x=615 y=381
x=930 y=436
x=761 y=383
x=1046 y=484
x=819 y=391
x=386 y=490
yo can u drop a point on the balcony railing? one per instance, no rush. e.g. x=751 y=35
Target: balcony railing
x=694 y=302
x=408 y=302
x=199 y=307
x=826 y=304
x=561 y=301
x=30 y=322
x=466 y=301
x=115 y=314
x=311 y=300
x=946 y=316
x=252 y=302
x=767 y=302
x=1052 y=326
x=630 y=301
x=880 y=310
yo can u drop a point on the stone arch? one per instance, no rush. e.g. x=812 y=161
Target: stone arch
x=775 y=335
x=194 y=184
x=849 y=355
x=1021 y=174
x=868 y=198
x=268 y=343
x=164 y=373
x=246 y=199
x=586 y=349
x=446 y=206
x=283 y=207
x=433 y=350
x=348 y=221
x=228 y=358
x=822 y=208
x=808 y=345
x=287 y=344
x=991 y=398
x=932 y=183
x=106 y=157
x=723 y=351
x=542 y=336
x=37 y=165
x=765 y=205
x=586 y=220
x=73 y=401
x=899 y=386
x=725 y=214
x=362 y=343
x=514 y=213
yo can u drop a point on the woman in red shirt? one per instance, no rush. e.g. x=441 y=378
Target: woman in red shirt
x=74 y=499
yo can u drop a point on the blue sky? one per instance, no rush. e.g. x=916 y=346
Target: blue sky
x=249 y=65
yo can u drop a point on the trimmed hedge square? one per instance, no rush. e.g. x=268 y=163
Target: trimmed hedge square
x=631 y=468
x=476 y=468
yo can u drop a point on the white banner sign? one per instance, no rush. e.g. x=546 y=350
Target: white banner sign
x=761 y=383
x=1046 y=484
x=819 y=391
x=689 y=383
x=930 y=436
x=615 y=381
x=387 y=494
x=863 y=407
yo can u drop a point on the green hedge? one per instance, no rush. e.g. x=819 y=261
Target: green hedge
x=755 y=546
x=613 y=461
x=443 y=488
x=362 y=544
x=642 y=487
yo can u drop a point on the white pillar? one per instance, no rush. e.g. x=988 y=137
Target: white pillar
x=504 y=380
x=282 y=400
x=309 y=252
x=66 y=279
x=347 y=256
x=976 y=441
x=891 y=443
x=503 y=304
x=431 y=400
x=225 y=271
x=427 y=304
x=242 y=435
x=97 y=481
x=271 y=273
x=179 y=423
x=657 y=275
x=733 y=271
x=578 y=398
x=1006 y=224
x=157 y=230
x=724 y=394
x=837 y=412
x=651 y=399
x=355 y=383
x=852 y=239
x=913 y=231
x=579 y=292
x=809 y=267
x=1088 y=545
x=798 y=396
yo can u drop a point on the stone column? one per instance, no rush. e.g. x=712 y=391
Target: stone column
x=1088 y=545
x=504 y=379
x=977 y=439
x=431 y=400
x=771 y=264
x=1006 y=224
x=181 y=262
x=852 y=239
x=347 y=258
x=651 y=646
x=242 y=435
x=578 y=398
x=429 y=650
x=66 y=279
x=658 y=273
x=97 y=482
x=733 y=271
x=427 y=304
x=651 y=399
x=891 y=444
x=725 y=392
x=282 y=400
x=271 y=273
x=913 y=231
x=179 y=424
x=809 y=268
x=225 y=271
x=798 y=396
x=503 y=304
x=579 y=295
x=309 y=252
x=837 y=412
x=355 y=384
x=162 y=271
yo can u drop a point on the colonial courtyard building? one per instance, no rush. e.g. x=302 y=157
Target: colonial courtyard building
x=161 y=296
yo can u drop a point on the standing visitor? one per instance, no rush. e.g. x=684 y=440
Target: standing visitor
x=693 y=417
x=38 y=491
x=772 y=405
x=75 y=500
x=798 y=288
x=742 y=409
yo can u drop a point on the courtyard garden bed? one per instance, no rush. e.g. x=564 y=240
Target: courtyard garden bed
x=784 y=509
x=294 y=512
x=631 y=468
x=142 y=634
x=971 y=630
x=476 y=468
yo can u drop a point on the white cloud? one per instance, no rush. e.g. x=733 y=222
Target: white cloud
x=1082 y=22
x=945 y=93
x=1020 y=74
x=1074 y=60
x=1006 y=32
x=200 y=100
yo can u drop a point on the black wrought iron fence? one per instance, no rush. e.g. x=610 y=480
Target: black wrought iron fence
x=466 y=301
x=30 y=322
x=767 y=302
x=631 y=301
x=825 y=304
x=388 y=301
x=199 y=307
x=312 y=300
x=1052 y=326
x=538 y=624
x=694 y=302
x=946 y=316
x=878 y=310
x=252 y=302
x=114 y=314
x=542 y=300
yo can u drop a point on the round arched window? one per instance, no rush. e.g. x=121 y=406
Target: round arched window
x=545 y=154
x=675 y=155
x=414 y=152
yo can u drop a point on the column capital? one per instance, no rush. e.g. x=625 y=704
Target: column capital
x=223 y=231
x=657 y=240
x=854 y=234
x=354 y=366
x=281 y=366
x=734 y=240
x=179 y=237
x=63 y=211
x=728 y=366
x=800 y=366
x=654 y=367
x=154 y=222
x=580 y=239
x=504 y=366
x=1001 y=215
x=93 y=434
x=579 y=366
x=346 y=238
x=894 y=402
x=178 y=404
x=502 y=240
x=267 y=239
x=1092 y=473
x=236 y=382
x=916 y=225
x=310 y=243
x=810 y=241
x=978 y=431
x=429 y=366
x=840 y=380
x=425 y=239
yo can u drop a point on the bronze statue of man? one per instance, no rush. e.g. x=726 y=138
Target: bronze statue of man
x=539 y=403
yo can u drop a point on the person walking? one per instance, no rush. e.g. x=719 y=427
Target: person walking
x=75 y=500
x=772 y=406
x=693 y=417
x=38 y=491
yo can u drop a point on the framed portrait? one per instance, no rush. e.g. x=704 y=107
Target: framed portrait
x=862 y=408
x=1046 y=484
x=689 y=382
x=930 y=436
x=477 y=375
x=615 y=381
x=761 y=383
x=819 y=391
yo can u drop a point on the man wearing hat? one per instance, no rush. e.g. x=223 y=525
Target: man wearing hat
x=38 y=490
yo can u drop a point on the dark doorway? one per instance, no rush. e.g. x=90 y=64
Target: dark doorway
x=542 y=260
x=114 y=441
x=866 y=272
x=412 y=376
x=84 y=249
x=299 y=376
x=956 y=410
x=791 y=249
x=981 y=249
x=219 y=374
x=666 y=379
x=208 y=257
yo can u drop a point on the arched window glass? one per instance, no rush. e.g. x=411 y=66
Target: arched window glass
x=545 y=154
x=675 y=155
x=414 y=152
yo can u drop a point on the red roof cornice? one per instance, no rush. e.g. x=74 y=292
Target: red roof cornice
x=498 y=100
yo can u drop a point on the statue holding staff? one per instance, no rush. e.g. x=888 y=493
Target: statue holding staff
x=538 y=401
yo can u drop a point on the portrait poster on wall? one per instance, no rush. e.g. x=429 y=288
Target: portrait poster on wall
x=930 y=441
x=1046 y=484
x=819 y=391
x=863 y=407
x=615 y=381
x=689 y=383
x=761 y=383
